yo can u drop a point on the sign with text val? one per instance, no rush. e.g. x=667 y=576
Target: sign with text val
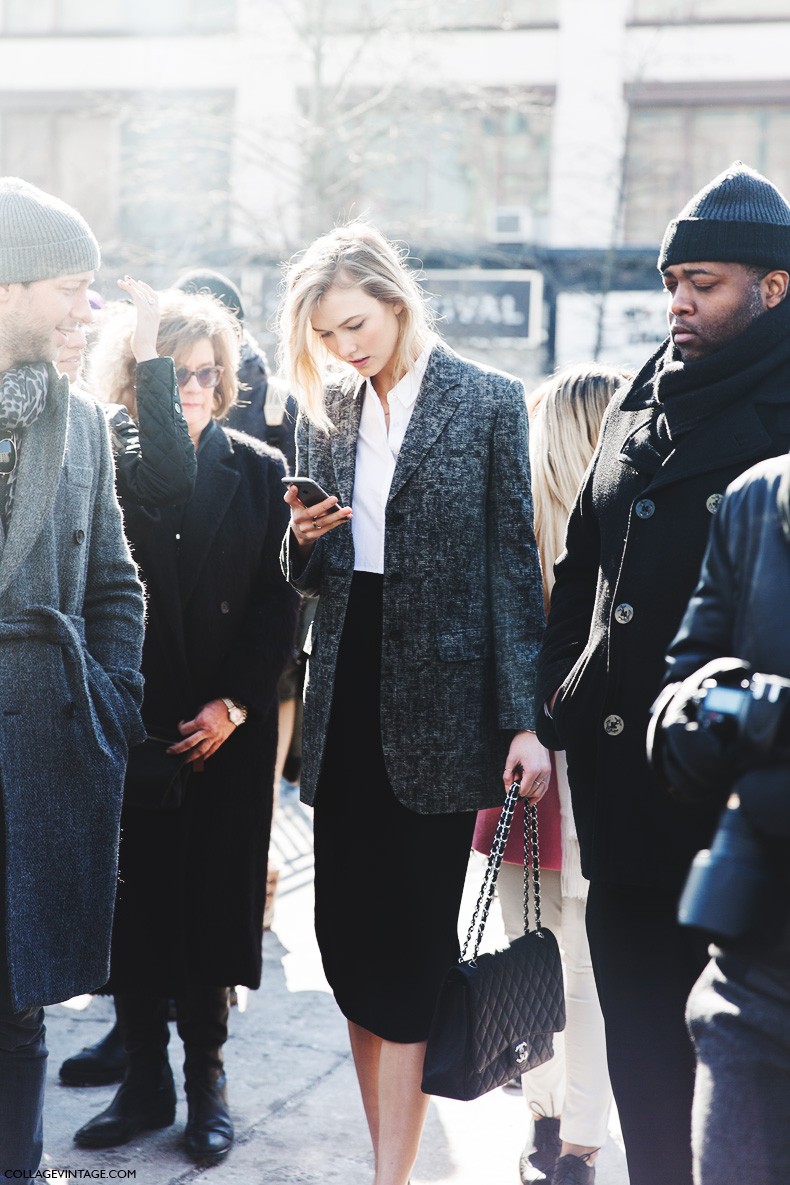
x=470 y=303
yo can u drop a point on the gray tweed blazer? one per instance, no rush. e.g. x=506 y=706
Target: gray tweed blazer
x=463 y=599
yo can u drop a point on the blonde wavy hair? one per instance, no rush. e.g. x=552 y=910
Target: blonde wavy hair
x=565 y=414
x=186 y=318
x=355 y=255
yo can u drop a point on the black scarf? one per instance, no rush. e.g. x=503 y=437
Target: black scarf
x=690 y=392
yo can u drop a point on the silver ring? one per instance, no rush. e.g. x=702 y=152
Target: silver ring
x=315 y=524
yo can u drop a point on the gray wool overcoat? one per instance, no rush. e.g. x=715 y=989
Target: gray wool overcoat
x=71 y=633
x=463 y=596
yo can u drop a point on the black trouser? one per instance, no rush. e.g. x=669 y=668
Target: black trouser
x=645 y=966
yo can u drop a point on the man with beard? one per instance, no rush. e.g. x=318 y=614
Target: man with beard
x=71 y=632
x=712 y=401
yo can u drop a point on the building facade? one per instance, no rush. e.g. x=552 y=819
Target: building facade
x=550 y=140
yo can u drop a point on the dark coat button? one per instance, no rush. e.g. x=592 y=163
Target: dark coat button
x=396 y=518
x=712 y=503
x=613 y=725
x=395 y=577
x=396 y=635
x=645 y=508
x=624 y=613
x=224 y=607
x=79 y=535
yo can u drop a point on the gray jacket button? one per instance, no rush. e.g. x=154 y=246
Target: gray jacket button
x=645 y=508
x=224 y=607
x=712 y=503
x=623 y=613
x=613 y=726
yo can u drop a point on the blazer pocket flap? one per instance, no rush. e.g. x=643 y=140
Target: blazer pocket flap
x=461 y=645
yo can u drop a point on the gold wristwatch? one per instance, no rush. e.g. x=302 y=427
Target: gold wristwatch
x=236 y=712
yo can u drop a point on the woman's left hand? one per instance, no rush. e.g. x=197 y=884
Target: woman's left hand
x=210 y=728
x=528 y=760
x=146 y=329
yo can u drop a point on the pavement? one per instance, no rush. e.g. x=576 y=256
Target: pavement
x=292 y=1088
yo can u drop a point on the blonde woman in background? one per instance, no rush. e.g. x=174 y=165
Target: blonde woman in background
x=569 y=1097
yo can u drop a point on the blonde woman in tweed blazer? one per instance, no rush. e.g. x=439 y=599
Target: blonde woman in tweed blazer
x=420 y=686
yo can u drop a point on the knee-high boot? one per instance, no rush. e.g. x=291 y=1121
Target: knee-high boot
x=146 y=1098
x=202 y=1020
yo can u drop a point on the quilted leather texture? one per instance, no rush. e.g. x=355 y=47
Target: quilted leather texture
x=495 y=1017
x=156 y=462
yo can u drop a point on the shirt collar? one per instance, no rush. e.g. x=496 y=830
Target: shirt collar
x=407 y=389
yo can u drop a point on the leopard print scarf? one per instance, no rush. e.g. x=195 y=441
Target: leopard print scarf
x=23 y=396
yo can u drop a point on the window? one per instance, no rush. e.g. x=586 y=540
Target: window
x=505 y=14
x=72 y=153
x=355 y=15
x=174 y=173
x=149 y=174
x=674 y=11
x=674 y=150
x=440 y=168
x=47 y=17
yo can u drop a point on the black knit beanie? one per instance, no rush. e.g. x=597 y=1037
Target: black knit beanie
x=739 y=217
x=215 y=283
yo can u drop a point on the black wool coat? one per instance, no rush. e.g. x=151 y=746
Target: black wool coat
x=635 y=541
x=220 y=623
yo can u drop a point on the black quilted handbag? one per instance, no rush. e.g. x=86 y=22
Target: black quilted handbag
x=496 y=1013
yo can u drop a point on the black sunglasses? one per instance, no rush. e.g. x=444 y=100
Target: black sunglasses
x=207 y=376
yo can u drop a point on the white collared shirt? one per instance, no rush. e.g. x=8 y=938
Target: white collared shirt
x=377 y=454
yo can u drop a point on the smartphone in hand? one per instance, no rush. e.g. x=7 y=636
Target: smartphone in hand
x=310 y=492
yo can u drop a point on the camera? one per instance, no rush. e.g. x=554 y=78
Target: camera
x=755 y=716
x=727 y=886
x=722 y=723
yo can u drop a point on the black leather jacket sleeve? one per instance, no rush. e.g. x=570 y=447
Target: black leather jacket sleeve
x=155 y=461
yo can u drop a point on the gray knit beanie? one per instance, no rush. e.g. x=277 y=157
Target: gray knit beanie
x=739 y=217
x=40 y=236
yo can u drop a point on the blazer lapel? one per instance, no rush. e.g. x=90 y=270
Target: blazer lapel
x=346 y=417
x=40 y=472
x=217 y=480
x=439 y=396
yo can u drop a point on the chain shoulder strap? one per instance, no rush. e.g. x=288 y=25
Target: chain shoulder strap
x=477 y=925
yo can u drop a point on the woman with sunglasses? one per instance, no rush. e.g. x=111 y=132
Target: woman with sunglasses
x=219 y=630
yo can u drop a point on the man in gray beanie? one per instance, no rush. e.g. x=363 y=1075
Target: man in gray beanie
x=714 y=399
x=71 y=630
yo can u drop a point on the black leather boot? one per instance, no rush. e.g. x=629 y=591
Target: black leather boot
x=203 y=1027
x=209 y=1130
x=146 y=1098
x=99 y=1064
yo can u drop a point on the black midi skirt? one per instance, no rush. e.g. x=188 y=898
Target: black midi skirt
x=388 y=881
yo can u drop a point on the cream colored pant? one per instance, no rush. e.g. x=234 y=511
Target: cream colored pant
x=575 y=1082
